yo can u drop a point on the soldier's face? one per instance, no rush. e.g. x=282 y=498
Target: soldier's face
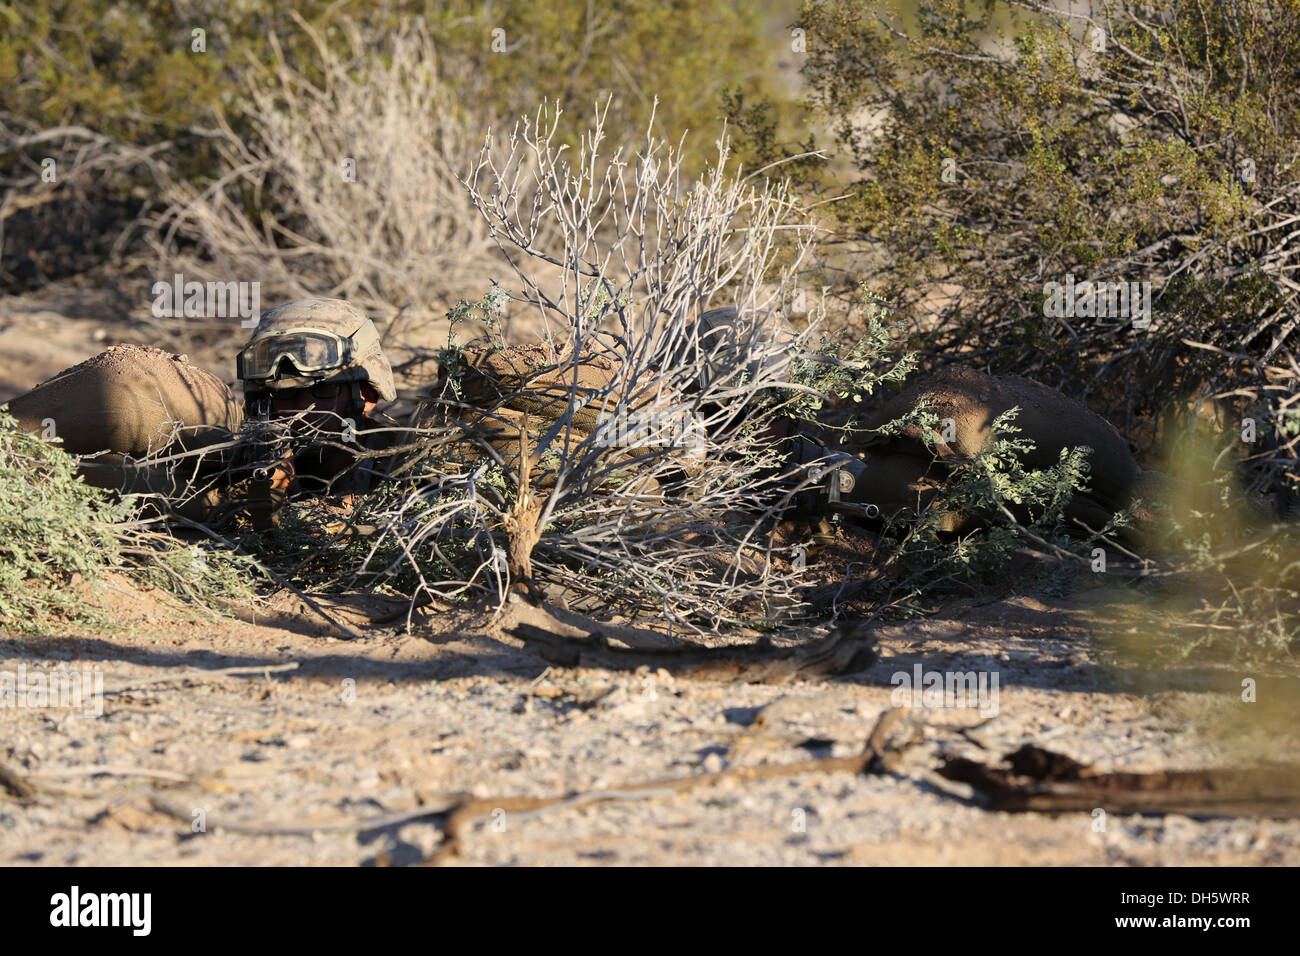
x=327 y=404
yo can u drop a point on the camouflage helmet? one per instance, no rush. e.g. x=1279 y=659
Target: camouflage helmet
x=726 y=341
x=333 y=339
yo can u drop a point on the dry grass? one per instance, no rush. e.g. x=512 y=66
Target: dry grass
x=349 y=186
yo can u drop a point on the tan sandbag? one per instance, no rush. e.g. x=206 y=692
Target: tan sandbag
x=1051 y=420
x=130 y=400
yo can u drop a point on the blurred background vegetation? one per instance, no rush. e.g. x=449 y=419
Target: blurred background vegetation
x=126 y=74
x=128 y=69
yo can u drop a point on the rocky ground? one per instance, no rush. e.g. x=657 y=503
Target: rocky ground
x=229 y=742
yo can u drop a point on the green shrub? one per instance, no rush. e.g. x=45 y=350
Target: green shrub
x=1005 y=549
x=54 y=529
x=128 y=70
x=995 y=148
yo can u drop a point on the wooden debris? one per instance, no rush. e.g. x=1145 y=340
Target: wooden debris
x=306 y=828
x=847 y=651
x=875 y=757
x=15 y=784
x=1042 y=781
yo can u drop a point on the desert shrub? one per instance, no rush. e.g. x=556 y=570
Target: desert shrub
x=66 y=200
x=112 y=93
x=618 y=461
x=1229 y=574
x=637 y=251
x=132 y=77
x=56 y=529
x=353 y=165
x=673 y=61
x=999 y=147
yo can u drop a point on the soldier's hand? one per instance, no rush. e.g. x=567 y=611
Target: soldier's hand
x=282 y=476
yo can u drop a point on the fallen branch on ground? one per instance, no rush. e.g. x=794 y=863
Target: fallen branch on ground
x=874 y=758
x=1046 y=782
x=198 y=675
x=848 y=651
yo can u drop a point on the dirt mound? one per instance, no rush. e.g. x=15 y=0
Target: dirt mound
x=129 y=400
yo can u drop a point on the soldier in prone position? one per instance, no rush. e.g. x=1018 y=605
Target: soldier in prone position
x=320 y=362
x=148 y=421
x=903 y=473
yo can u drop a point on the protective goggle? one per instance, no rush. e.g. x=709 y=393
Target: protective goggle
x=310 y=351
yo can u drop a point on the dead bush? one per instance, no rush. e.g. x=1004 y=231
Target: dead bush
x=347 y=186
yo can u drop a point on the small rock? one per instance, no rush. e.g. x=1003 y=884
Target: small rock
x=368 y=778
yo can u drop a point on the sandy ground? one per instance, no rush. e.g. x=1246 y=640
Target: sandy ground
x=316 y=736
x=268 y=741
